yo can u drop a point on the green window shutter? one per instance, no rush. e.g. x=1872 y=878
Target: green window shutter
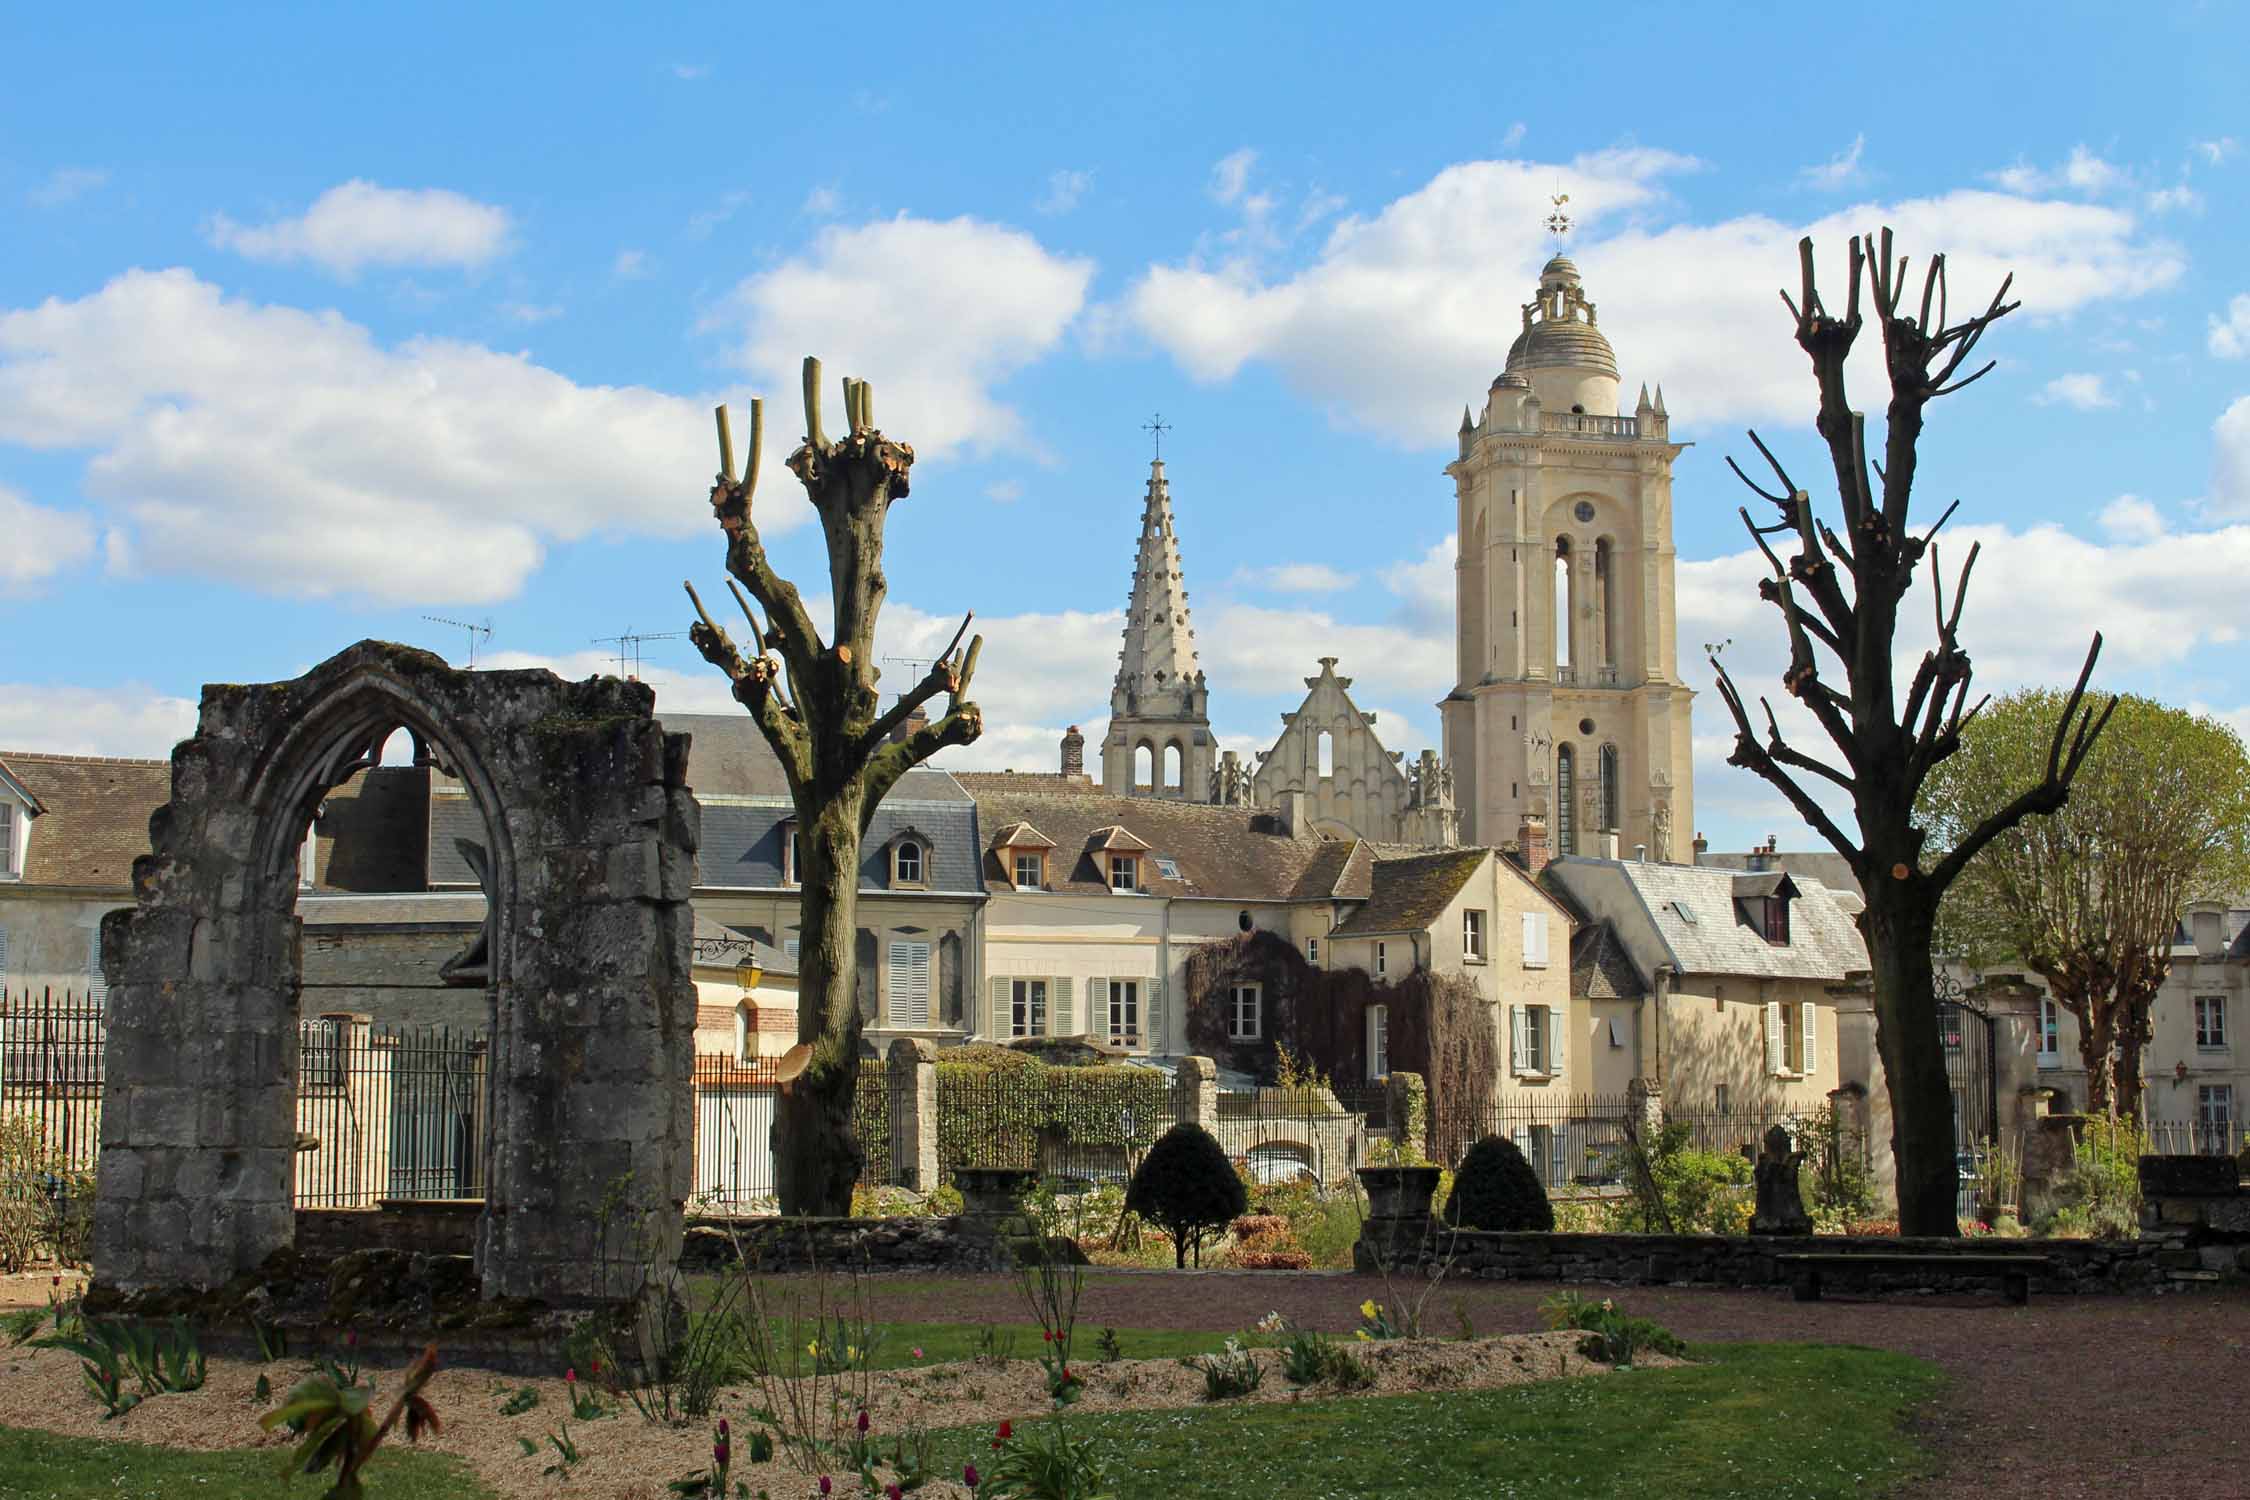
x=1519 y=1040
x=1558 y=1040
x=1152 y=1016
x=1003 y=1017
x=1775 y=1061
x=1811 y=1013
x=1061 y=1015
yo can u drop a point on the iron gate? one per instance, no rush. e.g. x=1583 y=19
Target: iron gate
x=1972 y=1075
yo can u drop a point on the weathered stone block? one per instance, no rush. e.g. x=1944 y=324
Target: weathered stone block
x=2202 y=1176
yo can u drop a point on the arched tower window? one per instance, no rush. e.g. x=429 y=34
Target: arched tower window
x=1566 y=800
x=1144 y=766
x=1173 y=761
x=1605 y=600
x=1327 y=752
x=1610 y=822
x=1564 y=589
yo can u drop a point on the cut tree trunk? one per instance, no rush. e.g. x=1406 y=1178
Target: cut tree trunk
x=817 y=1154
x=2097 y=1050
x=1899 y=923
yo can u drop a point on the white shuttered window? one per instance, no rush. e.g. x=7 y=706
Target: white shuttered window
x=909 y=984
x=1535 y=940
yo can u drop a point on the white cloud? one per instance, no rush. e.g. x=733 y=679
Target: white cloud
x=630 y=265
x=287 y=450
x=2175 y=199
x=1425 y=586
x=360 y=224
x=1064 y=190
x=1838 y=172
x=2230 y=483
x=36 y=543
x=2081 y=391
x=691 y=72
x=2129 y=518
x=1297 y=578
x=2230 y=339
x=1004 y=491
x=531 y=312
x=1407 y=313
x=1231 y=174
x=65 y=184
x=703 y=221
x=822 y=203
x=937 y=313
x=1514 y=136
x=2215 y=152
x=132 y=719
x=2081 y=172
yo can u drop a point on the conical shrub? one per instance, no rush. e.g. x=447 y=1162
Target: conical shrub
x=1495 y=1188
x=1187 y=1187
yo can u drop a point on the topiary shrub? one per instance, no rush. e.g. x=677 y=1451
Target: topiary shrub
x=1495 y=1188
x=1187 y=1187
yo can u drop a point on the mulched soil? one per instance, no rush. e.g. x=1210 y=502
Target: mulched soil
x=2114 y=1397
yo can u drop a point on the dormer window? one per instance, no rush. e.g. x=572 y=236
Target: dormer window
x=909 y=861
x=1031 y=870
x=1124 y=872
x=1775 y=920
x=1761 y=903
x=1117 y=854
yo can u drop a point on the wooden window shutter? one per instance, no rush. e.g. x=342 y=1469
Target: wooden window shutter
x=1003 y=1023
x=909 y=984
x=1558 y=1040
x=1152 y=1014
x=1062 y=1015
x=97 y=986
x=1775 y=1062
x=1519 y=1040
x=1811 y=1030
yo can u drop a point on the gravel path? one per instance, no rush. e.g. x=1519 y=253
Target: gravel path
x=2118 y=1397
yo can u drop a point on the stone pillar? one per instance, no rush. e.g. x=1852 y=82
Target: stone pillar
x=914 y=1119
x=1195 y=1093
x=2013 y=1003
x=1644 y=1099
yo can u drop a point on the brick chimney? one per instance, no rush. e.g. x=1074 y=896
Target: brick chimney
x=909 y=724
x=1531 y=838
x=1702 y=847
x=1073 y=752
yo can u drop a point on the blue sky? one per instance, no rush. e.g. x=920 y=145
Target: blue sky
x=315 y=324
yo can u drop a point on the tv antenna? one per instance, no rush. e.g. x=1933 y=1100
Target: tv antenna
x=477 y=633
x=629 y=648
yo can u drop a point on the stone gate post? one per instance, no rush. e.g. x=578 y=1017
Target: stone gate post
x=1195 y=1093
x=914 y=1114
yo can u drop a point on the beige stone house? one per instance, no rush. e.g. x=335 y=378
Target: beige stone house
x=1720 y=988
x=70 y=828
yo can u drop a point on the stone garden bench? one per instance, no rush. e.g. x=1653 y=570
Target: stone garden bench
x=2014 y=1272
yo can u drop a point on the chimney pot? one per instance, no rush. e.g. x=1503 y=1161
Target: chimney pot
x=1531 y=838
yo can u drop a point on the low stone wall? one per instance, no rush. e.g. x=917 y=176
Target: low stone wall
x=432 y=1228
x=941 y=1243
x=1745 y=1261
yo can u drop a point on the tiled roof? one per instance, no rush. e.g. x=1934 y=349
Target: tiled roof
x=1021 y=835
x=1230 y=853
x=1600 y=968
x=1690 y=913
x=374 y=830
x=1409 y=894
x=1339 y=872
x=96 y=815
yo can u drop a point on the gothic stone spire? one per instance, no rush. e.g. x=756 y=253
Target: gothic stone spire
x=1157 y=675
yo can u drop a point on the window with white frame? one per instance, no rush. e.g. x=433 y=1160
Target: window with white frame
x=1245 y=1013
x=8 y=870
x=1124 y=1010
x=2050 y=1032
x=1027 y=1007
x=908 y=984
x=1124 y=873
x=2214 y=1119
x=2211 y=1021
x=1531 y=1043
x=1312 y=950
x=1382 y=958
x=1472 y=935
x=1030 y=870
x=1792 y=1038
x=907 y=862
x=1378 y=1041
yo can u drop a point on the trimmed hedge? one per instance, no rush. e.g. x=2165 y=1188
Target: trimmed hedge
x=994 y=1106
x=1496 y=1189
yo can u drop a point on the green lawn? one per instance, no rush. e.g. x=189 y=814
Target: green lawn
x=38 y=1466
x=944 y=1343
x=1757 y=1422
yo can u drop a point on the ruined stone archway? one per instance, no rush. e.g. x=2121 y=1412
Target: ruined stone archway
x=591 y=837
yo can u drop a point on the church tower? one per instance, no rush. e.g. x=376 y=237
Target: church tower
x=1568 y=704
x=1159 y=742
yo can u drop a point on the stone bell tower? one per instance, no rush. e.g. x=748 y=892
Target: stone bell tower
x=1159 y=741
x=1568 y=704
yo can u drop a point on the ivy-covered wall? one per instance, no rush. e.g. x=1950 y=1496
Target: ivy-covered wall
x=997 y=1107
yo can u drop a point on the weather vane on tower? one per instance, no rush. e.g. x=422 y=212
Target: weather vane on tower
x=1558 y=222
x=1158 y=426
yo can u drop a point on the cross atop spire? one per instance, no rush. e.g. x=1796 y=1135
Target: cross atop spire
x=1157 y=426
x=1558 y=221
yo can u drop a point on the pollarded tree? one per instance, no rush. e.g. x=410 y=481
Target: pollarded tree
x=834 y=742
x=1839 y=594
x=2088 y=899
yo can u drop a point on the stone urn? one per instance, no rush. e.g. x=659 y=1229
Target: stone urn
x=1399 y=1192
x=993 y=1194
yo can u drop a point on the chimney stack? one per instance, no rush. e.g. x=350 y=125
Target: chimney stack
x=1702 y=847
x=1073 y=752
x=1296 y=819
x=1531 y=838
x=913 y=721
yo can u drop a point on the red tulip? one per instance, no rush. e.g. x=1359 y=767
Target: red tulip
x=824 y=1484
x=861 y=1423
x=969 y=1475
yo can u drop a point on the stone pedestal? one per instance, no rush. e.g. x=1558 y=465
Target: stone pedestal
x=1399 y=1220
x=912 y=1076
x=1195 y=1092
x=994 y=1195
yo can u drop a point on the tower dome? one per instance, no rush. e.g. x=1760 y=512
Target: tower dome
x=1561 y=349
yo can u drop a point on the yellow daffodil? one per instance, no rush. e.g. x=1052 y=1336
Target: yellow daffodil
x=1367 y=1309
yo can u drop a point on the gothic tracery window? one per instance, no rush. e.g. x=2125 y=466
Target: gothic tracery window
x=1566 y=801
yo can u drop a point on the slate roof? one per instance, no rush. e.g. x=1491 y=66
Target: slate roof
x=1691 y=913
x=745 y=801
x=1411 y=893
x=717 y=944
x=1824 y=865
x=1226 y=853
x=374 y=831
x=95 y=818
x=1600 y=969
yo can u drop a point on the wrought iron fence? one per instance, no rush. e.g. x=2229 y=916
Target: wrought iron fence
x=871 y=1119
x=2195 y=1137
x=388 y=1112
x=1075 y=1126
x=1568 y=1140
x=1288 y=1134
x=734 y=1110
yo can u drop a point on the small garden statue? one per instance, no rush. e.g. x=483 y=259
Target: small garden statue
x=1780 y=1207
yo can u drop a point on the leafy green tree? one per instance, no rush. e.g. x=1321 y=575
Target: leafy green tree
x=1839 y=593
x=2088 y=899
